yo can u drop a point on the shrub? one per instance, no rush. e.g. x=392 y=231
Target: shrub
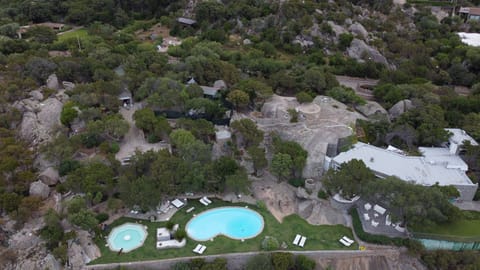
x=296 y=182
x=303 y=97
x=302 y=262
x=260 y=261
x=322 y=194
x=270 y=243
x=169 y=225
x=101 y=217
x=180 y=234
x=283 y=261
x=293 y=115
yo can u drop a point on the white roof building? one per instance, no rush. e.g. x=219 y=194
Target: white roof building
x=438 y=165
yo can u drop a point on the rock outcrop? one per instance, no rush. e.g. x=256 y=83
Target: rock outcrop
x=49 y=176
x=358 y=30
x=400 y=108
x=39 y=118
x=359 y=50
x=373 y=110
x=38 y=188
x=52 y=82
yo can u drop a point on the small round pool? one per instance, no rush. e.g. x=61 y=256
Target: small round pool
x=233 y=222
x=127 y=237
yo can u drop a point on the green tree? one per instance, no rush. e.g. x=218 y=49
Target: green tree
x=303 y=262
x=259 y=261
x=344 y=40
x=282 y=165
x=238 y=182
x=303 y=97
x=349 y=180
x=41 y=34
x=247 y=132
x=68 y=114
x=257 y=155
x=239 y=98
x=283 y=261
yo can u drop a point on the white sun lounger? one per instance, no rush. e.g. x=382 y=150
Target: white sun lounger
x=366 y=217
x=367 y=206
x=190 y=209
x=202 y=249
x=388 y=220
x=297 y=239
x=197 y=248
x=202 y=201
x=374 y=224
x=302 y=241
x=345 y=243
x=346 y=239
x=207 y=200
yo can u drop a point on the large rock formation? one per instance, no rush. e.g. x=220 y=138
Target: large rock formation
x=49 y=176
x=38 y=188
x=359 y=50
x=52 y=82
x=39 y=118
x=400 y=108
x=358 y=30
x=373 y=111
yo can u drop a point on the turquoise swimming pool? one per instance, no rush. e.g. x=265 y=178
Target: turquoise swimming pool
x=233 y=222
x=127 y=237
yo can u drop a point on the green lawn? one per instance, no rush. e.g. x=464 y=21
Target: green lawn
x=469 y=226
x=80 y=33
x=319 y=237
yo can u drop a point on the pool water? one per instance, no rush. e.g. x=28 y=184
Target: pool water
x=233 y=222
x=126 y=237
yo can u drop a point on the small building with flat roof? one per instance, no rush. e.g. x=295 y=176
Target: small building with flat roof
x=470 y=13
x=437 y=165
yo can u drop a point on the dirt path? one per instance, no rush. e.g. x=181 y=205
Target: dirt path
x=135 y=139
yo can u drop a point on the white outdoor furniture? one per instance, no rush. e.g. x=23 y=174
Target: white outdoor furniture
x=207 y=200
x=400 y=229
x=297 y=239
x=379 y=209
x=348 y=240
x=366 y=217
x=177 y=203
x=374 y=224
x=375 y=214
x=388 y=220
x=202 y=201
x=367 y=206
x=190 y=209
x=345 y=243
x=199 y=249
x=302 y=241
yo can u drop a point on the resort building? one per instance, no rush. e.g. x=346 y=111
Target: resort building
x=440 y=165
x=470 y=13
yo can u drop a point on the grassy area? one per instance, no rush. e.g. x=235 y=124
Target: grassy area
x=319 y=237
x=468 y=226
x=80 y=33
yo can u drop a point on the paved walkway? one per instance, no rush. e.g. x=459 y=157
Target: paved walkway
x=471 y=206
x=238 y=259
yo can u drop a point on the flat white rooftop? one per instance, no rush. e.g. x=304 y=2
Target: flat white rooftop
x=472 y=39
x=408 y=168
x=459 y=135
x=442 y=156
